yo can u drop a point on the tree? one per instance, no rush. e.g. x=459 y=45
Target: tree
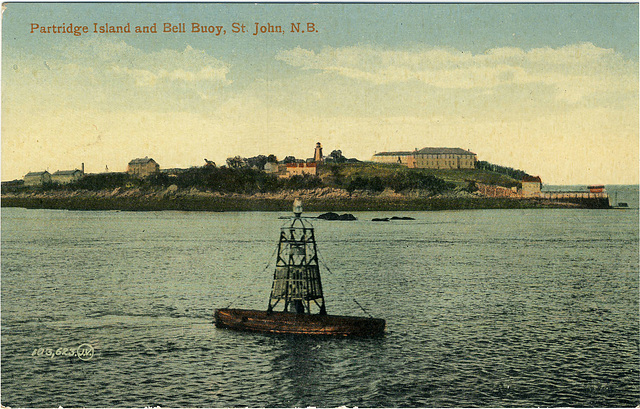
x=336 y=157
x=236 y=162
x=257 y=161
x=511 y=172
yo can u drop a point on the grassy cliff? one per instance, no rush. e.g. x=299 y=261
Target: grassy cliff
x=339 y=175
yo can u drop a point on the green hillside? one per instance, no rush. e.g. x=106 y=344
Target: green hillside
x=359 y=176
x=340 y=175
x=338 y=187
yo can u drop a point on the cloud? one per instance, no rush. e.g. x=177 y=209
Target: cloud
x=150 y=78
x=104 y=101
x=575 y=71
x=147 y=68
x=107 y=73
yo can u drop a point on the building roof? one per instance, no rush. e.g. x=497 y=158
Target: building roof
x=398 y=153
x=66 y=172
x=430 y=151
x=532 y=179
x=302 y=165
x=36 y=174
x=141 y=161
x=449 y=151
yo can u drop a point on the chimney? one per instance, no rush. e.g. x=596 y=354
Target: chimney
x=82 y=168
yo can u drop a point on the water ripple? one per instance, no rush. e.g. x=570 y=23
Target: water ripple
x=523 y=310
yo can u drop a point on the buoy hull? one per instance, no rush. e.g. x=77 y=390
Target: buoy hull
x=278 y=322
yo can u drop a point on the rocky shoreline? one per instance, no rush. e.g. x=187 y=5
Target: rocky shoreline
x=320 y=199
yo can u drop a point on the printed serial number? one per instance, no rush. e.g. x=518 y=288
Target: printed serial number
x=84 y=352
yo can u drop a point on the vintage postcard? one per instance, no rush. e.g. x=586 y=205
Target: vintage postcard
x=319 y=204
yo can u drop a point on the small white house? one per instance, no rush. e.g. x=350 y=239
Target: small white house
x=271 y=167
x=531 y=186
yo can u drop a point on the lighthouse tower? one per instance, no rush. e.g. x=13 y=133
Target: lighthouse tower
x=317 y=157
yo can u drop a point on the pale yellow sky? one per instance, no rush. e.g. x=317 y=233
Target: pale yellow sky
x=566 y=112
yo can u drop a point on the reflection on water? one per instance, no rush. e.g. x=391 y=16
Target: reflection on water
x=483 y=308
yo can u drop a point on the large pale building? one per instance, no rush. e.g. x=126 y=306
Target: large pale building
x=401 y=157
x=142 y=167
x=67 y=176
x=430 y=158
x=37 y=178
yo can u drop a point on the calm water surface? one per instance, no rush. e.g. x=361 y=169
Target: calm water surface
x=484 y=308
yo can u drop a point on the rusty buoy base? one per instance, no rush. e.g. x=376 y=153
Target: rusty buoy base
x=278 y=322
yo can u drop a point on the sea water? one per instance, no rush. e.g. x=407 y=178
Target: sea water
x=484 y=308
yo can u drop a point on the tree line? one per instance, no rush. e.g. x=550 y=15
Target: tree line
x=400 y=182
x=216 y=179
x=246 y=180
x=260 y=161
x=504 y=170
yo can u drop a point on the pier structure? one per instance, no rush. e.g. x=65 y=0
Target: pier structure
x=573 y=195
x=590 y=198
x=594 y=200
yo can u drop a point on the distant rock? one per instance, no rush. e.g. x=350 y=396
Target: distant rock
x=386 y=219
x=336 y=216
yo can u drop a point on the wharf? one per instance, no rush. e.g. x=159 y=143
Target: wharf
x=593 y=200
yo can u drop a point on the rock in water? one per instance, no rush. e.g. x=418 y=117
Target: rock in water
x=336 y=216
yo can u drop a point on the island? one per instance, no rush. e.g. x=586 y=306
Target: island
x=329 y=186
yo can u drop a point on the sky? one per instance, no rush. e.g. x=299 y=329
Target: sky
x=551 y=89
